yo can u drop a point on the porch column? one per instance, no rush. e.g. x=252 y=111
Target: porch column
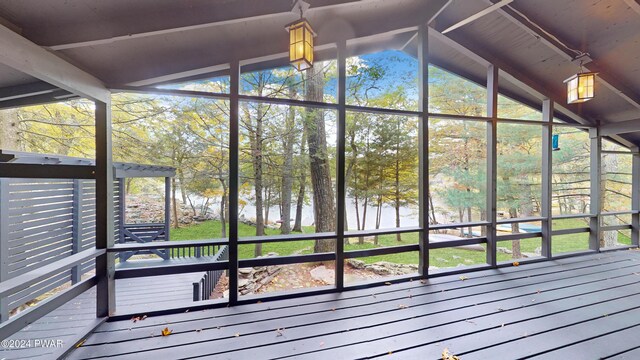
x=492 y=162
x=547 y=160
x=105 y=264
x=596 y=178
x=423 y=146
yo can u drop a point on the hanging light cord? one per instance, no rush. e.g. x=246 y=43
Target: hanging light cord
x=577 y=53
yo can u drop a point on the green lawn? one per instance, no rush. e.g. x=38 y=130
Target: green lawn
x=440 y=258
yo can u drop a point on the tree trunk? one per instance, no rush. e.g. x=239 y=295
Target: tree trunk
x=515 y=229
x=323 y=197
x=267 y=204
x=176 y=223
x=297 y=226
x=183 y=189
x=223 y=209
x=256 y=151
x=608 y=239
x=9 y=121
x=287 y=169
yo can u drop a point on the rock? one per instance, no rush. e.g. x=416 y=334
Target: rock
x=504 y=250
x=321 y=273
x=356 y=264
x=387 y=268
x=243 y=283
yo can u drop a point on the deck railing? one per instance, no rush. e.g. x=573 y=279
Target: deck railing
x=202 y=289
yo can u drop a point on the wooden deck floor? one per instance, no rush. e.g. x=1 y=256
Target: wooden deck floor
x=584 y=307
x=75 y=318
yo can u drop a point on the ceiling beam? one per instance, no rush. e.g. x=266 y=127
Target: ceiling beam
x=478 y=15
x=46 y=98
x=623 y=127
x=29 y=58
x=560 y=46
x=634 y=5
x=225 y=14
x=476 y=52
x=347 y=27
x=25 y=90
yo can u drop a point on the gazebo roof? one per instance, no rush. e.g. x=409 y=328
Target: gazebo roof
x=120 y=170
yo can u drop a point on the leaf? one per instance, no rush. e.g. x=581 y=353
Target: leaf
x=515 y=263
x=80 y=343
x=237 y=335
x=143 y=317
x=166 y=331
x=403 y=306
x=463 y=278
x=446 y=355
x=387 y=283
x=135 y=318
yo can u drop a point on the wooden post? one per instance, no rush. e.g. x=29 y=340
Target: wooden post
x=105 y=264
x=167 y=214
x=492 y=163
x=635 y=197
x=122 y=216
x=76 y=236
x=423 y=146
x=341 y=187
x=4 y=244
x=596 y=178
x=234 y=133
x=547 y=161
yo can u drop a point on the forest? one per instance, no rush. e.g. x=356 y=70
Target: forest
x=288 y=154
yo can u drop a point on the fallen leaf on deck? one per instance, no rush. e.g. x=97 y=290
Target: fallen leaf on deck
x=333 y=309
x=423 y=281
x=80 y=343
x=166 y=332
x=237 y=335
x=446 y=355
x=387 y=283
x=135 y=318
x=463 y=278
x=515 y=263
x=143 y=317
x=390 y=352
x=403 y=306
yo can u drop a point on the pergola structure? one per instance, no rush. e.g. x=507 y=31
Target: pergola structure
x=62 y=49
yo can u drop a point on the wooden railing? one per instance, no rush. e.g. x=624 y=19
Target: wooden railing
x=202 y=289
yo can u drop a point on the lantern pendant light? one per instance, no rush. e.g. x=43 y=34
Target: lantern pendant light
x=301 y=41
x=580 y=87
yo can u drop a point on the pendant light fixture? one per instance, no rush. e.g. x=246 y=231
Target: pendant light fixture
x=300 y=39
x=581 y=86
